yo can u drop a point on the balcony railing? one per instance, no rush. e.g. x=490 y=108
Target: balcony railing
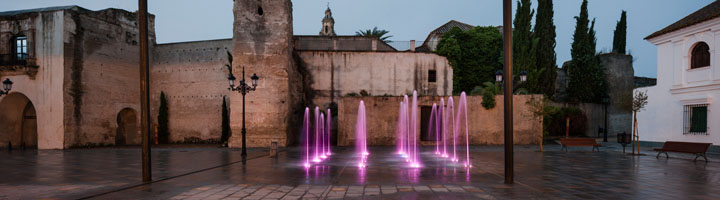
x=14 y=59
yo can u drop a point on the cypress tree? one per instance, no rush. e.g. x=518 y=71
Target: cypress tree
x=620 y=34
x=225 y=123
x=545 y=49
x=163 y=132
x=586 y=75
x=524 y=44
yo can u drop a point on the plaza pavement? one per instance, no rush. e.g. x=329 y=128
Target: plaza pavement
x=216 y=173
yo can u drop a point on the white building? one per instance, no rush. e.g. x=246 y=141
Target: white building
x=685 y=103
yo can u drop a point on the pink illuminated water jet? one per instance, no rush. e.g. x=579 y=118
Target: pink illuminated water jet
x=433 y=127
x=443 y=118
x=451 y=122
x=462 y=116
x=328 y=129
x=361 y=136
x=415 y=163
x=317 y=136
x=323 y=136
x=306 y=135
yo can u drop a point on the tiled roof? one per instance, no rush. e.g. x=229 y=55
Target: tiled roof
x=56 y=8
x=706 y=13
x=449 y=25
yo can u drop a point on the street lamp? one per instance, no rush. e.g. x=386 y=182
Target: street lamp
x=523 y=78
x=7 y=85
x=243 y=89
x=606 y=101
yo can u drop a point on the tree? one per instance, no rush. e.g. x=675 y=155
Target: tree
x=545 y=49
x=163 y=131
x=639 y=102
x=375 y=32
x=586 y=75
x=620 y=34
x=475 y=55
x=225 y=123
x=524 y=44
x=540 y=107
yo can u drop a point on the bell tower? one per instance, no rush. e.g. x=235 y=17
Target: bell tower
x=262 y=43
x=328 y=24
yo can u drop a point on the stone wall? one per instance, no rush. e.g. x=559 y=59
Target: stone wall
x=379 y=73
x=194 y=78
x=486 y=126
x=262 y=43
x=101 y=57
x=340 y=43
x=620 y=77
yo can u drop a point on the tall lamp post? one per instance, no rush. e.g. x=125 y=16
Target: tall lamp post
x=243 y=89
x=606 y=101
x=508 y=101
x=7 y=85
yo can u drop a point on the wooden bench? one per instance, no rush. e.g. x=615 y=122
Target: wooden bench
x=698 y=149
x=579 y=142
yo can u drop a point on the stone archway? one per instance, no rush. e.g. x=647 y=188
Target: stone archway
x=127 y=130
x=19 y=121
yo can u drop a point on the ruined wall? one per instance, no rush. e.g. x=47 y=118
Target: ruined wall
x=262 y=43
x=486 y=126
x=379 y=73
x=101 y=56
x=621 y=81
x=194 y=78
x=340 y=43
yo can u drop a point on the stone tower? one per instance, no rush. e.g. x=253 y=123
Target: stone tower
x=262 y=43
x=328 y=24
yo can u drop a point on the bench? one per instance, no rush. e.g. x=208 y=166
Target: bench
x=698 y=149
x=579 y=142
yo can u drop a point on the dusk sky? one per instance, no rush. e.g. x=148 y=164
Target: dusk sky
x=190 y=20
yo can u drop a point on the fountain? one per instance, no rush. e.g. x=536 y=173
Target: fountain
x=400 y=131
x=451 y=121
x=415 y=163
x=361 y=136
x=444 y=123
x=317 y=136
x=462 y=116
x=306 y=134
x=433 y=127
x=323 y=136
x=328 y=129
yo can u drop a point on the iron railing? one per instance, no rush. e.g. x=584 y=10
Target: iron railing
x=14 y=59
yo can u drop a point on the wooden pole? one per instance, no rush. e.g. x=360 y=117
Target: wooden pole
x=541 y=135
x=567 y=127
x=508 y=103
x=144 y=90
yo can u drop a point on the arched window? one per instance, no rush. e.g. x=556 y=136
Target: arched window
x=700 y=56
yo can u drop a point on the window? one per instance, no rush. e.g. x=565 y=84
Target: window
x=20 y=44
x=695 y=120
x=432 y=76
x=700 y=56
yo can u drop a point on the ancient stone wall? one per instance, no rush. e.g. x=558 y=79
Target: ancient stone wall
x=485 y=126
x=340 y=43
x=378 y=73
x=194 y=78
x=101 y=56
x=262 y=43
x=620 y=77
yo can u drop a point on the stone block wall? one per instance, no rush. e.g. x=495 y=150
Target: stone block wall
x=379 y=73
x=101 y=72
x=485 y=126
x=194 y=78
x=262 y=43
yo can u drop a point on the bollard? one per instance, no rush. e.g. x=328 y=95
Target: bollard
x=273 y=148
x=9 y=146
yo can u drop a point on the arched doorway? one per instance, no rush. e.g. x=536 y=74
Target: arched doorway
x=127 y=130
x=19 y=121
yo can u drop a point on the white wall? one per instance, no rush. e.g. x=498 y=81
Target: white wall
x=662 y=119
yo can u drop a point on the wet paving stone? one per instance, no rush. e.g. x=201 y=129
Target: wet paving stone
x=218 y=174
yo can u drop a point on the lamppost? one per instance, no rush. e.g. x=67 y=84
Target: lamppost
x=606 y=101
x=7 y=85
x=523 y=78
x=243 y=89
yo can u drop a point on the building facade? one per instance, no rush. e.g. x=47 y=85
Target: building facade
x=77 y=81
x=683 y=105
